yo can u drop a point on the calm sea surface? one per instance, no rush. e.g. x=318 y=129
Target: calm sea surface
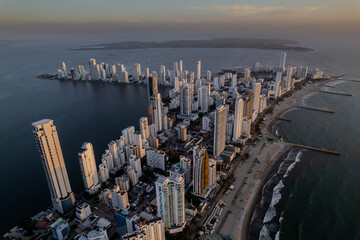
x=322 y=195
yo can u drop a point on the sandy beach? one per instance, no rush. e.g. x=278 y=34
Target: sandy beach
x=251 y=176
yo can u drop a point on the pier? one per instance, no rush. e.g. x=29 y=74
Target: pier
x=283 y=119
x=314 y=148
x=337 y=93
x=348 y=79
x=316 y=109
x=328 y=86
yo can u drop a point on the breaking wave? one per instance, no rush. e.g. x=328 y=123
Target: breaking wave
x=265 y=220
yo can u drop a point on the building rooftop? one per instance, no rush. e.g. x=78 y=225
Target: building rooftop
x=41 y=122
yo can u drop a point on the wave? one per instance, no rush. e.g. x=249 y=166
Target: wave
x=266 y=218
x=291 y=167
x=276 y=197
x=303 y=99
x=287 y=111
x=264 y=233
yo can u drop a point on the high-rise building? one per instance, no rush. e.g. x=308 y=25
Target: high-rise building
x=144 y=127
x=137 y=71
x=88 y=168
x=170 y=197
x=155 y=158
x=152 y=230
x=289 y=84
x=208 y=75
x=156 y=104
x=138 y=141
x=200 y=170
x=49 y=147
x=162 y=74
x=123 y=182
x=108 y=159
x=152 y=87
x=206 y=124
x=212 y=172
x=133 y=176
x=220 y=129
x=83 y=211
x=204 y=98
x=181 y=69
x=277 y=84
x=185 y=100
x=119 y=199
x=198 y=70
x=128 y=133
x=182 y=133
x=247 y=74
x=282 y=61
x=103 y=172
x=63 y=68
x=135 y=163
x=239 y=112
x=114 y=150
x=185 y=163
x=256 y=91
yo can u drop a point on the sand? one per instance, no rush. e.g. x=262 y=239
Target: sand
x=237 y=223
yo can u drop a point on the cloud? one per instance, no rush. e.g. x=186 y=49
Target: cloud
x=246 y=10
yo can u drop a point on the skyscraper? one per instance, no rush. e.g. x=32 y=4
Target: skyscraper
x=170 y=197
x=289 y=79
x=282 y=61
x=239 y=112
x=204 y=98
x=200 y=169
x=152 y=87
x=88 y=168
x=220 y=129
x=185 y=100
x=156 y=104
x=108 y=159
x=256 y=91
x=212 y=172
x=49 y=147
x=144 y=127
x=162 y=74
x=198 y=70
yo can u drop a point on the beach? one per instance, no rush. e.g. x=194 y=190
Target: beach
x=254 y=172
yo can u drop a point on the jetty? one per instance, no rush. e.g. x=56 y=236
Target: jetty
x=314 y=148
x=283 y=119
x=316 y=109
x=337 y=93
x=328 y=86
x=349 y=79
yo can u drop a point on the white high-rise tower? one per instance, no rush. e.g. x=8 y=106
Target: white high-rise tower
x=53 y=162
x=239 y=113
x=198 y=70
x=220 y=129
x=185 y=100
x=156 y=104
x=283 y=60
x=88 y=168
x=170 y=197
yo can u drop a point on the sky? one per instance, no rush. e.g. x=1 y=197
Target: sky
x=184 y=17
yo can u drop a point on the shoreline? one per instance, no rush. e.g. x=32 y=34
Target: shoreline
x=237 y=224
x=288 y=103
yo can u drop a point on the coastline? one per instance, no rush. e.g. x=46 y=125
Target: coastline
x=269 y=156
x=279 y=109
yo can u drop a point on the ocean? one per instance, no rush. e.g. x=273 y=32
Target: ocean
x=319 y=199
